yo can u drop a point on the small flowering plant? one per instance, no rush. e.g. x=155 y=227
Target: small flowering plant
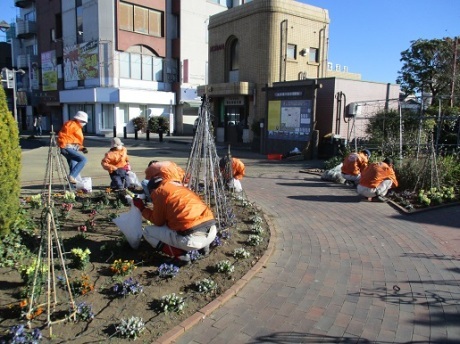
x=82 y=286
x=131 y=327
x=257 y=229
x=167 y=270
x=69 y=197
x=28 y=271
x=19 y=334
x=35 y=201
x=84 y=312
x=127 y=287
x=66 y=208
x=206 y=286
x=254 y=240
x=241 y=253
x=80 y=257
x=172 y=303
x=225 y=266
x=122 y=267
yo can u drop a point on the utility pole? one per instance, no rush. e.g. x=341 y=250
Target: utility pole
x=454 y=72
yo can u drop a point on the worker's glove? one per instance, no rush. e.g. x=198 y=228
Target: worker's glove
x=139 y=204
x=84 y=150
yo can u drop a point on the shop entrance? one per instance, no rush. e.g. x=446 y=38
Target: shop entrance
x=235 y=122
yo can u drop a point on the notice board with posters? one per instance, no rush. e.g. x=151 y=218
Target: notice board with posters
x=289 y=119
x=289 y=122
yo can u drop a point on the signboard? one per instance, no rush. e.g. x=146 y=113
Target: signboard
x=81 y=61
x=49 y=71
x=289 y=119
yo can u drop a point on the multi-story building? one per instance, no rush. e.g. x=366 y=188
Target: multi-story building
x=115 y=60
x=255 y=45
x=269 y=74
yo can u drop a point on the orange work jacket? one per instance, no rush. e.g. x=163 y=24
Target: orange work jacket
x=71 y=133
x=115 y=159
x=168 y=170
x=354 y=164
x=177 y=207
x=238 y=168
x=376 y=173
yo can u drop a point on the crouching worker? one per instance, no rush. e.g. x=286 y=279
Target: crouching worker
x=354 y=164
x=182 y=221
x=167 y=170
x=116 y=163
x=377 y=179
x=232 y=172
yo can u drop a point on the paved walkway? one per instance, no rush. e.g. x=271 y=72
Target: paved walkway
x=342 y=270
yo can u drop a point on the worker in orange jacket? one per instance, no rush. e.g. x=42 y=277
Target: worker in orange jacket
x=116 y=163
x=182 y=222
x=377 y=179
x=167 y=170
x=70 y=141
x=232 y=179
x=354 y=164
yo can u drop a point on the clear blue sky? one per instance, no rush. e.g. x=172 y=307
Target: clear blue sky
x=368 y=36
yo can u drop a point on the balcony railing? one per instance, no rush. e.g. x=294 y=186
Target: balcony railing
x=23 y=3
x=25 y=28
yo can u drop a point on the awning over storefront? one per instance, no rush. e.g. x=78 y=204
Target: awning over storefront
x=191 y=103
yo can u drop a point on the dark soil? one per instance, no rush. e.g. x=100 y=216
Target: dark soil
x=107 y=244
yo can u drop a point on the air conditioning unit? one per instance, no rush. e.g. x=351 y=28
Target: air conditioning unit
x=353 y=110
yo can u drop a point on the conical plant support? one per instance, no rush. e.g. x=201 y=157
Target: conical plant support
x=202 y=171
x=50 y=255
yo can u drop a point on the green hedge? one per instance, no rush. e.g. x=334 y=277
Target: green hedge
x=10 y=167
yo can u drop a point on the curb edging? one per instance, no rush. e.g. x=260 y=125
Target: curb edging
x=199 y=316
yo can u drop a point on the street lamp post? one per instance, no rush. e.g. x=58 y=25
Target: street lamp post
x=10 y=75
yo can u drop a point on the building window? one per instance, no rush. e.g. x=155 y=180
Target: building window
x=147 y=68
x=235 y=56
x=155 y=23
x=141 y=66
x=79 y=14
x=291 y=51
x=126 y=17
x=313 y=55
x=107 y=116
x=232 y=63
x=140 y=19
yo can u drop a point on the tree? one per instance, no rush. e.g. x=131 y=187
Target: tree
x=10 y=167
x=428 y=66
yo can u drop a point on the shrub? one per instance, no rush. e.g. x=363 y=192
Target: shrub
x=10 y=168
x=140 y=123
x=158 y=124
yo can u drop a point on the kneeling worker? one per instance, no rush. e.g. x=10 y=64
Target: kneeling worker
x=377 y=179
x=354 y=164
x=182 y=221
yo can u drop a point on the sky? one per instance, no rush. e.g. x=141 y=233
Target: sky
x=368 y=36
